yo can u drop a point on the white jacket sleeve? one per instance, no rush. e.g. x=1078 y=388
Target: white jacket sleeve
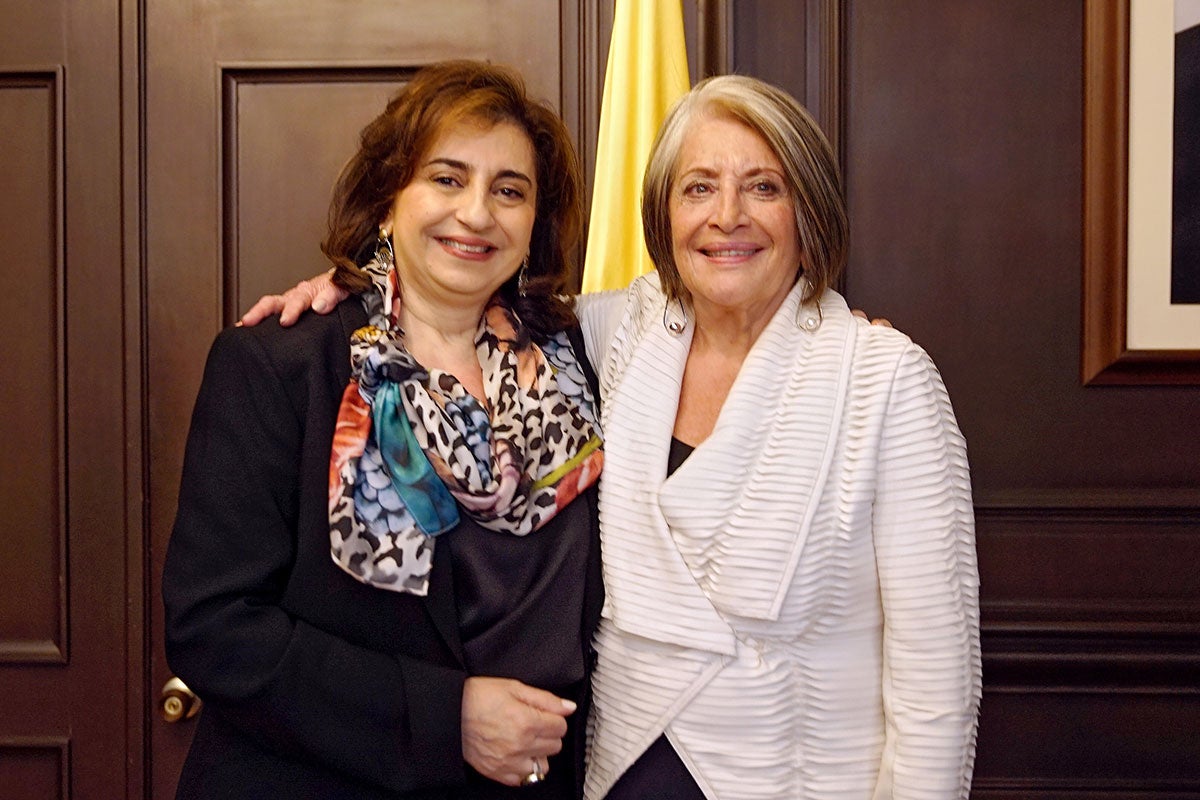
x=924 y=535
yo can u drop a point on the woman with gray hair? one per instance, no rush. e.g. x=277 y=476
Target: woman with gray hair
x=786 y=520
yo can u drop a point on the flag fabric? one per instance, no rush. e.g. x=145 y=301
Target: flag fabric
x=647 y=71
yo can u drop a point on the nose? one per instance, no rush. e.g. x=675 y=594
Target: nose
x=728 y=211
x=475 y=208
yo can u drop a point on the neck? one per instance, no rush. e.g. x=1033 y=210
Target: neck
x=733 y=329
x=437 y=334
x=729 y=331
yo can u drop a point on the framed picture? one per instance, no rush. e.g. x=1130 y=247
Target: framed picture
x=1135 y=331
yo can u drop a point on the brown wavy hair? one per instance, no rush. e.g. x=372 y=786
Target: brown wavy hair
x=393 y=144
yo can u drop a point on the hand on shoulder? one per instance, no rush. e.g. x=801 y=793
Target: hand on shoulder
x=317 y=293
x=858 y=312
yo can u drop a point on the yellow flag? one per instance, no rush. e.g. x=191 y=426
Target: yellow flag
x=647 y=71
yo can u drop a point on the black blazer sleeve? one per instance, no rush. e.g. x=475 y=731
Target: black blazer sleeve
x=302 y=690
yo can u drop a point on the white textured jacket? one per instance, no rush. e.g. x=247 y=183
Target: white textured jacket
x=797 y=606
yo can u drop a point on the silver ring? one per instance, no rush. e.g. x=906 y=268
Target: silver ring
x=537 y=776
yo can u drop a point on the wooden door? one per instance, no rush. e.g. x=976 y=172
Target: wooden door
x=251 y=109
x=70 y=643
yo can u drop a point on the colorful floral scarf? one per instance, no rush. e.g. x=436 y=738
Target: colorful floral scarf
x=394 y=485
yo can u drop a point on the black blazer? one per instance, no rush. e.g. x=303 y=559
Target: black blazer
x=314 y=685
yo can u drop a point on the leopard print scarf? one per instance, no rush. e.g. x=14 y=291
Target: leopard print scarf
x=412 y=448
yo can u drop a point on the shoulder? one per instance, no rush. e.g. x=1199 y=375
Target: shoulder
x=316 y=342
x=879 y=360
x=600 y=315
x=604 y=316
x=870 y=342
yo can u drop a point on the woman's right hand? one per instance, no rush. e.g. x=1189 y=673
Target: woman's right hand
x=508 y=725
x=317 y=293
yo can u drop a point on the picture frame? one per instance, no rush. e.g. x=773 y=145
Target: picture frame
x=1106 y=357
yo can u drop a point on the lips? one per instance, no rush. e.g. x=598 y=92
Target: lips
x=467 y=248
x=474 y=248
x=738 y=250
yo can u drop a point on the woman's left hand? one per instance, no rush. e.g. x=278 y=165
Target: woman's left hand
x=510 y=729
x=858 y=312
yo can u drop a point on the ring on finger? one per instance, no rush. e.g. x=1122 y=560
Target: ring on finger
x=536 y=776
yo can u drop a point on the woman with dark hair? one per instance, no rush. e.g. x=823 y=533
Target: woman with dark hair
x=383 y=576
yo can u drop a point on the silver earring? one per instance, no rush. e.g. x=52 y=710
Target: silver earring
x=677 y=323
x=808 y=317
x=384 y=253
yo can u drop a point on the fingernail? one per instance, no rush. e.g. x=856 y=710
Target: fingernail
x=568 y=705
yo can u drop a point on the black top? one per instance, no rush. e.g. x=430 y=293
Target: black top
x=520 y=599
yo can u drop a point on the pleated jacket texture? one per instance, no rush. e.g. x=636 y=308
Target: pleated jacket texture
x=796 y=607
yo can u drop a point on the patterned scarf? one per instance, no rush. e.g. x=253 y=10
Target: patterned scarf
x=512 y=465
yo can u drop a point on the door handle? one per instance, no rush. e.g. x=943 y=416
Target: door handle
x=178 y=701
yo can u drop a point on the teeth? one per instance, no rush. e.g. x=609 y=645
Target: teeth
x=466 y=248
x=730 y=253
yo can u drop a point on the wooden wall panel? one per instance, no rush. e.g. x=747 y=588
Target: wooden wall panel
x=279 y=169
x=35 y=766
x=70 y=629
x=1104 y=566
x=1102 y=744
x=32 y=533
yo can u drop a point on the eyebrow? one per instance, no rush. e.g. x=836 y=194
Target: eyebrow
x=709 y=172
x=465 y=167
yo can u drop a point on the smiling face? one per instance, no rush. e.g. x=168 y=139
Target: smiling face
x=461 y=227
x=733 y=222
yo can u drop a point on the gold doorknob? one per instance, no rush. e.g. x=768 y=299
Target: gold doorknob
x=178 y=701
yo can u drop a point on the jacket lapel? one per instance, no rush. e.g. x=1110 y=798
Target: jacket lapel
x=643 y=567
x=750 y=490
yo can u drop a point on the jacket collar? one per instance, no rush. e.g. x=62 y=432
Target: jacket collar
x=724 y=534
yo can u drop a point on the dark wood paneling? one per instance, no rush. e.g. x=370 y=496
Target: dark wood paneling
x=35 y=766
x=964 y=179
x=274 y=212
x=1091 y=633
x=1062 y=558
x=32 y=535
x=799 y=47
x=1107 y=743
x=71 y=534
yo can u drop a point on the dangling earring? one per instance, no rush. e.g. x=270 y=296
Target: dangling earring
x=809 y=316
x=677 y=322
x=522 y=276
x=384 y=253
